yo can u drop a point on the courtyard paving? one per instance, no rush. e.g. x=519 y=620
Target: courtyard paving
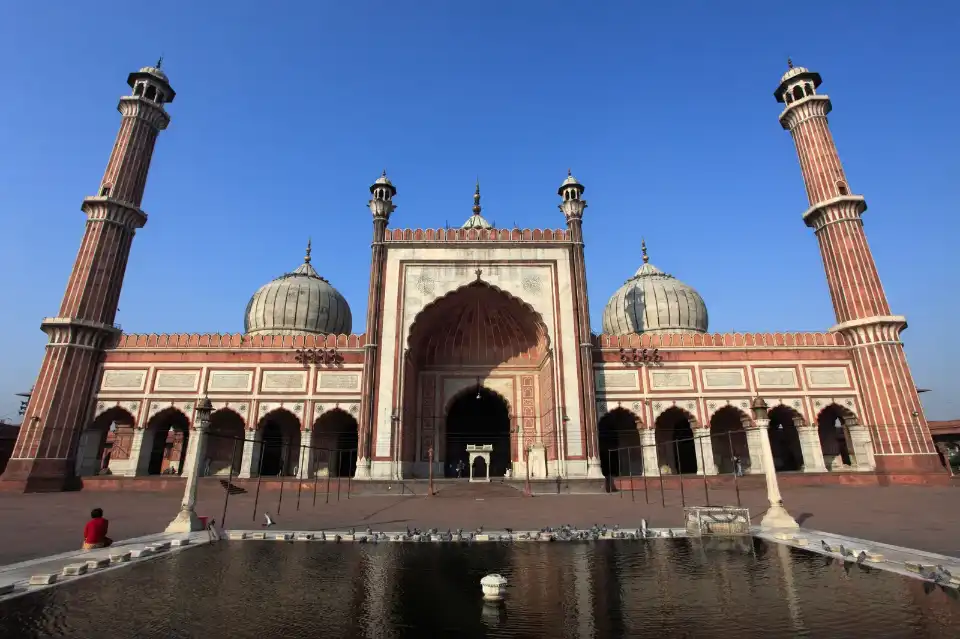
x=42 y=524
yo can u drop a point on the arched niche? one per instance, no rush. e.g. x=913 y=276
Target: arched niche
x=224 y=443
x=618 y=434
x=676 y=446
x=165 y=442
x=728 y=434
x=334 y=439
x=478 y=416
x=785 y=438
x=106 y=443
x=833 y=426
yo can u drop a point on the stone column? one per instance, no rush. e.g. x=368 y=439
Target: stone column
x=810 y=447
x=134 y=465
x=250 y=461
x=648 y=439
x=776 y=515
x=754 y=449
x=704 y=447
x=305 y=465
x=190 y=459
x=187 y=520
x=862 y=447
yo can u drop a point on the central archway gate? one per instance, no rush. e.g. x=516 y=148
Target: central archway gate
x=479 y=340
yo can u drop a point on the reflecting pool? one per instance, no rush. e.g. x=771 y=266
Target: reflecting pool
x=658 y=588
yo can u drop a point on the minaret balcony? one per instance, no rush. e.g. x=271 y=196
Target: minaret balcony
x=851 y=207
x=104 y=208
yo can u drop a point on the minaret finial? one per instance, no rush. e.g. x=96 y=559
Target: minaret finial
x=643 y=250
x=789 y=63
x=476 y=199
x=569 y=173
x=160 y=61
x=384 y=174
x=306 y=258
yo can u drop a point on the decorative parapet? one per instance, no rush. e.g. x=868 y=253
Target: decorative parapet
x=477 y=235
x=237 y=340
x=720 y=340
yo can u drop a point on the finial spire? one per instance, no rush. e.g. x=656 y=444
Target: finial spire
x=384 y=174
x=306 y=258
x=569 y=173
x=643 y=250
x=476 y=199
x=789 y=63
x=160 y=62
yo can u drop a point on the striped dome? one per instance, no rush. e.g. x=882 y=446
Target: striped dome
x=654 y=302
x=298 y=303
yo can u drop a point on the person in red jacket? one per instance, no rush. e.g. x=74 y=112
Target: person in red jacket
x=95 y=532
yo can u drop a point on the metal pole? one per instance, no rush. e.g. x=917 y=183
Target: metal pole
x=683 y=499
x=646 y=488
x=736 y=475
x=300 y=477
x=349 y=475
x=326 y=479
x=526 y=487
x=256 y=499
x=315 y=478
x=430 y=471
x=612 y=480
x=280 y=503
x=226 y=498
x=630 y=471
x=703 y=471
x=339 y=456
x=663 y=497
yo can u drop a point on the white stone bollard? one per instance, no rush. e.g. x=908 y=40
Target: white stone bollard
x=494 y=587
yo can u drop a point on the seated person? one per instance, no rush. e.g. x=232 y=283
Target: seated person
x=95 y=532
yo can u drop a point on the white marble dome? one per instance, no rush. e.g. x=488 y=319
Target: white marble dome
x=298 y=303
x=654 y=302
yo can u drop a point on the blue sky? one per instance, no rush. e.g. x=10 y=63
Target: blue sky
x=664 y=111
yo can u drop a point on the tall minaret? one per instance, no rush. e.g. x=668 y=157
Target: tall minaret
x=381 y=206
x=891 y=407
x=573 y=205
x=43 y=456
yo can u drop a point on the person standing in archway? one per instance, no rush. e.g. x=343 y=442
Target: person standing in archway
x=460 y=468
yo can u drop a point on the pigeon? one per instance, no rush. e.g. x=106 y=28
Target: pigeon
x=862 y=557
x=369 y=531
x=323 y=536
x=269 y=522
x=845 y=552
x=944 y=571
x=336 y=538
x=479 y=530
x=509 y=530
x=353 y=531
x=825 y=546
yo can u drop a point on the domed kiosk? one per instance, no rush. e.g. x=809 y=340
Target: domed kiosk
x=654 y=302
x=298 y=303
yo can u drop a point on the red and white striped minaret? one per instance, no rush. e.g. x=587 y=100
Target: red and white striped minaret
x=60 y=403
x=891 y=406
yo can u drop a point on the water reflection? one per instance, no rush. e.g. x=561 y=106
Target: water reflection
x=678 y=588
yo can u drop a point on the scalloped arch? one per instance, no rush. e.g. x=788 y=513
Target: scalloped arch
x=472 y=389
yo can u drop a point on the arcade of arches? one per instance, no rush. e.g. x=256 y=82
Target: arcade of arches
x=678 y=445
x=479 y=370
x=278 y=446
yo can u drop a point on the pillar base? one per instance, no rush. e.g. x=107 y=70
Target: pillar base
x=594 y=470
x=913 y=464
x=39 y=476
x=778 y=517
x=363 y=469
x=185 y=521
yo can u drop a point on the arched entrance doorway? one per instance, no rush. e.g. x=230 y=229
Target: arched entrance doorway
x=169 y=435
x=478 y=337
x=477 y=416
x=832 y=425
x=729 y=438
x=785 y=439
x=334 y=442
x=279 y=444
x=621 y=453
x=676 y=448
x=105 y=444
x=224 y=443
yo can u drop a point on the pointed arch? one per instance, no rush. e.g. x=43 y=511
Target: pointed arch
x=334 y=440
x=620 y=444
x=165 y=442
x=728 y=432
x=833 y=427
x=278 y=432
x=676 y=448
x=106 y=440
x=224 y=443
x=479 y=416
x=785 y=438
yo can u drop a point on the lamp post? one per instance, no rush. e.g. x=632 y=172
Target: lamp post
x=776 y=516
x=187 y=520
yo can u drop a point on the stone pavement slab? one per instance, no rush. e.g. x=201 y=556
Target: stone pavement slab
x=922 y=517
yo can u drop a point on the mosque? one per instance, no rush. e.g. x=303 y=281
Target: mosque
x=473 y=336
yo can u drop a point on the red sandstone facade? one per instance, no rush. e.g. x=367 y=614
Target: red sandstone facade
x=452 y=312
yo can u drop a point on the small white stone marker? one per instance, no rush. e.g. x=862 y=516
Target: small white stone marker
x=160 y=545
x=258 y=535
x=120 y=557
x=74 y=570
x=494 y=587
x=141 y=552
x=304 y=536
x=43 y=580
x=180 y=543
x=281 y=536
x=236 y=536
x=348 y=537
x=95 y=564
x=482 y=537
x=6 y=589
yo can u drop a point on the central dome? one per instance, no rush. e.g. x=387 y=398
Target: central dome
x=654 y=302
x=298 y=303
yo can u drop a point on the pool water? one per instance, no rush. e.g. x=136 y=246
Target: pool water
x=732 y=588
